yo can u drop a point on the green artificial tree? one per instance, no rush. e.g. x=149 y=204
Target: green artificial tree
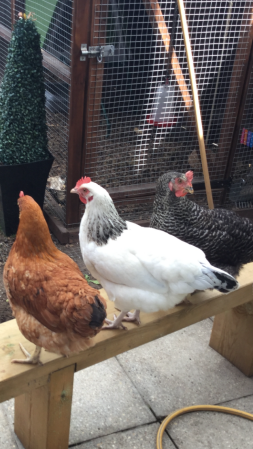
x=23 y=129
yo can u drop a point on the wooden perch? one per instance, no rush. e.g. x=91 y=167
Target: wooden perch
x=159 y=26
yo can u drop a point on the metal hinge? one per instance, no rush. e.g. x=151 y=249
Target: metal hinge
x=100 y=51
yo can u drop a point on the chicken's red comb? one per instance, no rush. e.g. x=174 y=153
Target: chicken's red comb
x=189 y=176
x=81 y=181
x=21 y=193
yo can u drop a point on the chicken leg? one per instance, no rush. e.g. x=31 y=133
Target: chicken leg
x=116 y=323
x=135 y=316
x=32 y=359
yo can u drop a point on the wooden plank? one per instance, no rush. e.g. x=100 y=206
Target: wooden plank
x=15 y=379
x=196 y=103
x=232 y=337
x=159 y=25
x=57 y=228
x=81 y=24
x=95 y=86
x=62 y=71
x=5 y=33
x=237 y=126
x=42 y=417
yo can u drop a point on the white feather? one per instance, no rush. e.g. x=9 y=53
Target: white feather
x=143 y=268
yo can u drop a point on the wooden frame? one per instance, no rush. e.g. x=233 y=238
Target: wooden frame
x=159 y=25
x=44 y=393
x=230 y=121
x=81 y=27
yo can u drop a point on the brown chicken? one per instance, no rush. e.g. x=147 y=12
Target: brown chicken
x=53 y=304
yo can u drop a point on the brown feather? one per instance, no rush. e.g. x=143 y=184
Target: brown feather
x=48 y=285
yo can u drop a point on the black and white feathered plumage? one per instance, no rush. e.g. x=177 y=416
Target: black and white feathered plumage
x=140 y=268
x=225 y=238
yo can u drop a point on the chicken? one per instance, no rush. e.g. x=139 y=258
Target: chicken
x=225 y=238
x=54 y=306
x=140 y=268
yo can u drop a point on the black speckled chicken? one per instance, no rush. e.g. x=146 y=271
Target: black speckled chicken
x=225 y=238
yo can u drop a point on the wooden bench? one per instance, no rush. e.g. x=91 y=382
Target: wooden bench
x=43 y=394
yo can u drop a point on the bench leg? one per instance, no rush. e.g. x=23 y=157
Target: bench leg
x=42 y=416
x=232 y=337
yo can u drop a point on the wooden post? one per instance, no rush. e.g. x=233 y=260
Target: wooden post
x=95 y=86
x=243 y=96
x=78 y=91
x=232 y=336
x=42 y=416
x=196 y=103
x=233 y=102
x=159 y=26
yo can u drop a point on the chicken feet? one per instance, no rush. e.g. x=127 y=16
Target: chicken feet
x=123 y=316
x=31 y=359
x=116 y=323
x=135 y=316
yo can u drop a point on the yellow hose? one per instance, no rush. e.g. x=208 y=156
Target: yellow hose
x=197 y=408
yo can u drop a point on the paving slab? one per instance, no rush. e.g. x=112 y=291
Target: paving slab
x=214 y=430
x=181 y=369
x=139 y=438
x=105 y=401
x=7 y=438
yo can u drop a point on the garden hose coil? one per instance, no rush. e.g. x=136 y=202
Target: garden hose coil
x=197 y=408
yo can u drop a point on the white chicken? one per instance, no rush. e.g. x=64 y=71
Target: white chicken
x=140 y=268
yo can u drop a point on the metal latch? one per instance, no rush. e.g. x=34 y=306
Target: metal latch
x=100 y=51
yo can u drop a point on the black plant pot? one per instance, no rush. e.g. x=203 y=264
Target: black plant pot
x=31 y=178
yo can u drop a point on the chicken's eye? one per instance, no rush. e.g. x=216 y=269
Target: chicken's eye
x=180 y=180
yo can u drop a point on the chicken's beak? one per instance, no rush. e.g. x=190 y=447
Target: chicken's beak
x=189 y=189
x=74 y=190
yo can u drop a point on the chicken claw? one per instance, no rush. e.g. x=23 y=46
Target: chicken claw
x=31 y=359
x=135 y=316
x=116 y=323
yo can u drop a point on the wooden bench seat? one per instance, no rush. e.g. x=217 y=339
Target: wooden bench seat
x=43 y=394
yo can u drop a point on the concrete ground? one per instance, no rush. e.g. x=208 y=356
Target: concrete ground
x=120 y=403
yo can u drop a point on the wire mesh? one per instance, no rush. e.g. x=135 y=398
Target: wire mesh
x=241 y=191
x=54 y=23
x=141 y=120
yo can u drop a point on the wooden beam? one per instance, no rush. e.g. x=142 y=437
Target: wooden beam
x=5 y=33
x=196 y=103
x=237 y=81
x=94 y=86
x=241 y=105
x=159 y=26
x=81 y=26
x=232 y=337
x=17 y=379
x=42 y=416
x=62 y=71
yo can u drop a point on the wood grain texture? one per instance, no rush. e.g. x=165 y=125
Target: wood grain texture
x=81 y=25
x=159 y=26
x=232 y=337
x=238 y=79
x=42 y=417
x=16 y=379
x=196 y=103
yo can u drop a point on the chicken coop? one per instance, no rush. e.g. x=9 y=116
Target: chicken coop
x=119 y=101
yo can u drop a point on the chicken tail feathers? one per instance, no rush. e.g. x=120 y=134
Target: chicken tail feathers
x=222 y=281
x=98 y=314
